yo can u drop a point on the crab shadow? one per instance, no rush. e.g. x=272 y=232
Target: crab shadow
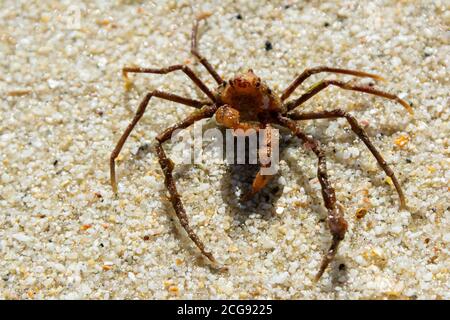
x=238 y=178
x=237 y=181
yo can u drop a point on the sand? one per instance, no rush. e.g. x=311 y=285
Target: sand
x=64 y=235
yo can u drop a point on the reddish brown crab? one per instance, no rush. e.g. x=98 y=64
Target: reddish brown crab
x=246 y=102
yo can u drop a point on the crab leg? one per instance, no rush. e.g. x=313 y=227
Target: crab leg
x=309 y=72
x=196 y=53
x=188 y=71
x=361 y=133
x=336 y=221
x=139 y=113
x=261 y=180
x=167 y=167
x=315 y=89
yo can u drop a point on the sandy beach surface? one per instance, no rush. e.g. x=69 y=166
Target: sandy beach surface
x=64 y=235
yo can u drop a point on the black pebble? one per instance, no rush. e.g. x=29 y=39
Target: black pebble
x=239 y=17
x=408 y=161
x=326 y=24
x=268 y=45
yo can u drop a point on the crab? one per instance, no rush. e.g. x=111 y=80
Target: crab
x=246 y=102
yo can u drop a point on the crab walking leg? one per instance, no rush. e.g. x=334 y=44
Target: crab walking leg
x=167 y=167
x=188 y=71
x=196 y=53
x=265 y=151
x=138 y=115
x=361 y=133
x=309 y=72
x=336 y=221
x=315 y=89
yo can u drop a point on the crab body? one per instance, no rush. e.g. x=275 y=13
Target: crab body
x=246 y=102
x=250 y=96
